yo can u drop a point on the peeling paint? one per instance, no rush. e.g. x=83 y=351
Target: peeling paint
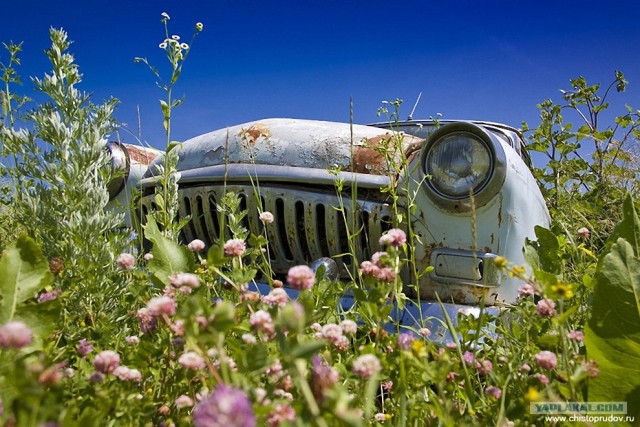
x=253 y=133
x=142 y=155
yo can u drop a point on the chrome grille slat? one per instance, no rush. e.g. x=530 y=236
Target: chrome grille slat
x=306 y=224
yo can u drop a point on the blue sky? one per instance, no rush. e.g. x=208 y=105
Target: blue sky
x=470 y=59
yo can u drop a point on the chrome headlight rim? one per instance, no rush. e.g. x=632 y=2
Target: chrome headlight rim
x=487 y=189
x=120 y=167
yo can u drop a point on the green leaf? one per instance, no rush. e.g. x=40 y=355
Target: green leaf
x=23 y=272
x=548 y=250
x=629 y=227
x=307 y=349
x=168 y=256
x=613 y=332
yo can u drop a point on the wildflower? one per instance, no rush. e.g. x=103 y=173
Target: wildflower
x=196 y=245
x=484 y=367
x=147 y=321
x=494 y=392
x=148 y=256
x=191 y=360
x=366 y=366
x=386 y=275
x=584 y=233
x=276 y=296
x=175 y=37
x=563 y=290
x=380 y=417
x=546 y=307
x=544 y=380
x=405 y=340
x=180 y=280
x=349 y=327
x=51 y=376
x=331 y=332
x=500 y=262
x=576 y=335
x=279 y=414
x=234 y=247
x=451 y=345
x=126 y=261
x=468 y=358
x=56 y=266
x=162 y=305
x=301 y=277
x=526 y=290
x=425 y=332
x=546 y=359
x=380 y=259
x=387 y=385
x=532 y=395
x=48 y=296
x=15 y=334
x=165 y=15
x=591 y=367
x=394 y=237
x=184 y=46
x=199 y=26
x=368 y=268
x=127 y=374
x=162 y=45
x=133 y=339
x=84 y=347
x=261 y=321
x=525 y=367
x=451 y=376
x=183 y=401
x=178 y=327
x=106 y=361
x=266 y=217
x=225 y=407
x=323 y=377
x=249 y=338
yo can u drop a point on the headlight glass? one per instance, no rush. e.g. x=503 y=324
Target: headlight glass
x=458 y=163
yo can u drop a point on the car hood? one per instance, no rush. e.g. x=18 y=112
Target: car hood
x=294 y=142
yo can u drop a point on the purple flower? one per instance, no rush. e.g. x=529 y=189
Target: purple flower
x=192 y=360
x=279 y=414
x=15 y=334
x=126 y=261
x=546 y=307
x=494 y=392
x=84 y=347
x=484 y=367
x=386 y=275
x=48 y=296
x=544 y=380
x=147 y=321
x=468 y=357
x=546 y=359
x=225 y=407
x=234 y=247
x=576 y=335
x=349 y=327
x=179 y=280
x=106 y=361
x=127 y=374
x=301 y=277
x=196 y=245
x=394 y=237
x=162 y=305
x=366 y=366
x=277 y=296
x=584 y=233
x=526 y=290
x=405 y=341
x=368 y=268
x=323 y=377
x=183 y=401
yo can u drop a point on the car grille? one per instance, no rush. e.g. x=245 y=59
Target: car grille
x=307 y=224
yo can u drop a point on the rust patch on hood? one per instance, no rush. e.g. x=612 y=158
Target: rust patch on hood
x=142 y=155
x=254 y=133
x=368 y=158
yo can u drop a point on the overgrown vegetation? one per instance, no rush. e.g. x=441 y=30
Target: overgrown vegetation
x=96 y=333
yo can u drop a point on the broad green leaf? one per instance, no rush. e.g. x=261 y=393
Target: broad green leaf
x=613 y=332
x=23 y=272
x=629 y=227
x=168 y=256
x=548 y=250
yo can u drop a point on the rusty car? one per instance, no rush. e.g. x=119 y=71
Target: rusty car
x=466 y=188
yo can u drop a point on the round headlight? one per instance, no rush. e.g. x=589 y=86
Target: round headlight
x=459 y=164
